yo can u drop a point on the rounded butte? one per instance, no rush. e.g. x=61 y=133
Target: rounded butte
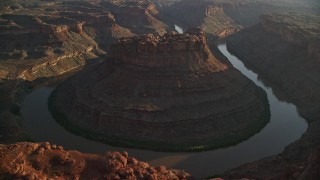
x=164 y=93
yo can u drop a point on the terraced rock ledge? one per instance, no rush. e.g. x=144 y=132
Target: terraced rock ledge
x=167 y=93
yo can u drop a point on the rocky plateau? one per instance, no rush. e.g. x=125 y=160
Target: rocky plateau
x=56 y=37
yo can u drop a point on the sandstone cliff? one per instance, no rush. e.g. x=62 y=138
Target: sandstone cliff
x=221 y=18
x=296 y=29
x=283 y=50
x=208 y=15
x=52 y=38
x=43 y=46
x=45 y=161
x=162 y=92
x=138 y=16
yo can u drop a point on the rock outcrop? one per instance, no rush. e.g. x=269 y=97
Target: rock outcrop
x=46 y=161
x=162 y=92
x=168 y=50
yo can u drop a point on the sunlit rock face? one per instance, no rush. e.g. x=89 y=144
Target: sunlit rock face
x=35 y=45
x=53 y=38
x=49 y=161
x=188 y=50
x=163 y=92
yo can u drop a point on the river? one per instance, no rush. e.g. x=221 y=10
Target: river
x=285 y=127
x=178 y=29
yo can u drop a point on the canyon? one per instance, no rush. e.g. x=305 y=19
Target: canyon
x=58 y=37
x=288 y=58
x=221 y=18
x=155 y=90
x=295 y=42
x=210 y=16
x=110 y=72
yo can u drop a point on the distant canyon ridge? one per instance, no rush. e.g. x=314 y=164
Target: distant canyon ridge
x=49 y=38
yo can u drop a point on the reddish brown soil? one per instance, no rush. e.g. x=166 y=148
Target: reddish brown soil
x=45 y=161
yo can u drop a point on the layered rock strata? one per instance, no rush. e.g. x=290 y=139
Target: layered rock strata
x=221 y=18
x=52 y=38
x=163 y=92
x=43 y=46
x=284 y=50
x=138 y=16
x=209 y=15
x=49 y=161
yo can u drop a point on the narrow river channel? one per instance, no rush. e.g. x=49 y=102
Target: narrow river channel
x=285 y=127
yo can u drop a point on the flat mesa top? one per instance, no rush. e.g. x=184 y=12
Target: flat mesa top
x=193 y=39
x=307 y=25
x=188 y=50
